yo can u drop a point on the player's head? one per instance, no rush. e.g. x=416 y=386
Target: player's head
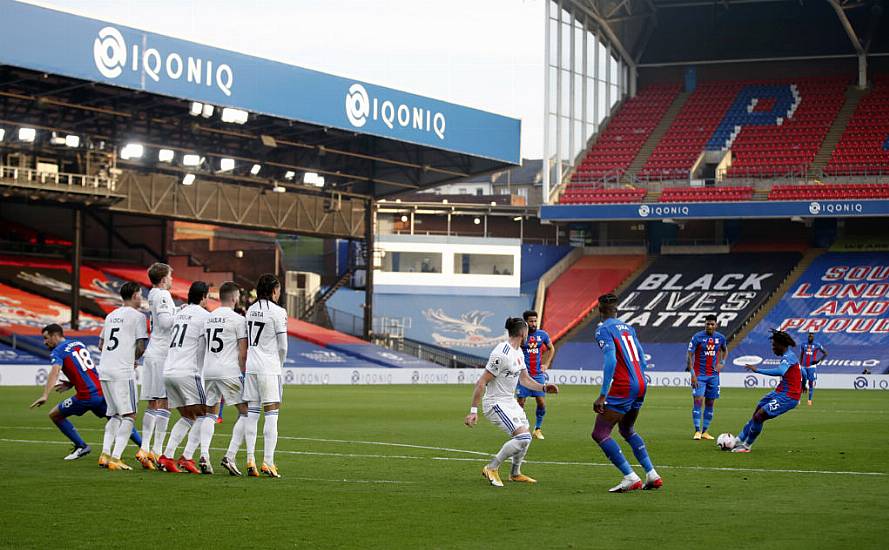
x=52 y=335
x=229 y=294
x=516 y=328
x=131 y=294
x=781 y=341
x=608 y=305
x=198 y=292
x=161 y=275
x=710 y=324
x=530 y=317
x=268 y=288
x=811 y=337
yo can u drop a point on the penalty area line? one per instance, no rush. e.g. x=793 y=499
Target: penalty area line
x=543 y=462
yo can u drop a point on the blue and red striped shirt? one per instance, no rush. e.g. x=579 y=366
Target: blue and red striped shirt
x=629 y=372
x=533 y=348
x=78 y=366
x=810 y=354
x=791 y=383
x=705 y=349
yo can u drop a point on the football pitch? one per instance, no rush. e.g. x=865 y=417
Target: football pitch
x=394 y=467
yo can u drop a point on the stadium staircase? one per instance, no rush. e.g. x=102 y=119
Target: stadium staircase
x=655 y=137
x=837 y=129
x=810 y=256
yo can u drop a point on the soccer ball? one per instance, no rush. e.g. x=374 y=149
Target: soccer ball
x=726 y=442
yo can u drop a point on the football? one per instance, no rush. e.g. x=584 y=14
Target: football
x=725 y=441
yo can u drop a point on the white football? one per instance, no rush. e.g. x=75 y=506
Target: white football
x=726 y=442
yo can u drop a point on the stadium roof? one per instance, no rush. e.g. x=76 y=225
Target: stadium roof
x=649 y=32
x=117 y=84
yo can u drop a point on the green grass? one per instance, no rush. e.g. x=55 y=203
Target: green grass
x=332 y=493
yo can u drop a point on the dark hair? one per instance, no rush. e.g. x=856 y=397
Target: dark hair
x=710 y=317
x=265 y=286
x=53 y=328
x=129 y=289
x=514 y=326
x=157 y=272
x=529 y=313
x=781 y=337
x=227 y=289
x=197 y=292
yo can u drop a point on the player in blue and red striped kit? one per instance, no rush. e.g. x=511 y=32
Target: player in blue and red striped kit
x=706 y=358
x=621 y=397
x=72 y=358
x=807 y=361
x=538 y=351
x=784 y=398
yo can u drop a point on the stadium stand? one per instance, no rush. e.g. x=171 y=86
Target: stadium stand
x=574 y=294
x=706 y=194
x=842 y=299
x=587 y=195
x=830 y=191
x=864 y=146
x=625 y=134
x=24 y=313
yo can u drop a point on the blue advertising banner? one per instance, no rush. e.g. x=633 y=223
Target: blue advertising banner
x=704 y=210
x=68 y=45
x=843 y=300
x=588 y=356
x=13 y=356
x=302 y=354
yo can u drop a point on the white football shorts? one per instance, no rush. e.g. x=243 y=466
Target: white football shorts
x=153 y=379
x=230 y=389
x=263 y=388
x=506 y=415
x=120 y=396
x=185 y=390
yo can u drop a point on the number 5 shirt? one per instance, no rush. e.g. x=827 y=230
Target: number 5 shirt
x=123 y=327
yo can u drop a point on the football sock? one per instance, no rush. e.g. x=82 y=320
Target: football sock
x=270 y=436
x=110 y=433
x=250 y=429
x=161 y=421
x=639 y=450
x=517 y=459
x=541 y=412
x=194 y=438
x=696 y=415
x=237 y=436
x=147 y=429
x=708 y=416
x=510 y=448
x=177 y=434
x=612 y=451
x=123 y=434
x=811 y=389
x=70 y=432
x=208 y=428
x=750 y=432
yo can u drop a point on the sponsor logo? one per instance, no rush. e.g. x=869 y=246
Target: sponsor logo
x=859 y=383
x=747 y=360
x=468 y=331
x=356 y=376
x=814 y=208
x=361 y=106
x=40 y=379
x=112 y=56
x=751 y=382
x=323 y=356
x=415 y=377
x=644 y=210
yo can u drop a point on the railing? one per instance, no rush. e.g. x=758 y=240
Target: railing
x=31 y=175
x=441 y=356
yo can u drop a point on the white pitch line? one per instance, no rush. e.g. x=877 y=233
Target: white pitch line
x=543 y=462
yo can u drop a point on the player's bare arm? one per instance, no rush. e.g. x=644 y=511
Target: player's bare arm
x=547 y=359
x=690 y=368
x=723 y=353
x=242 y=354
x=140 y=347
x=477 y=391
x=51 y=380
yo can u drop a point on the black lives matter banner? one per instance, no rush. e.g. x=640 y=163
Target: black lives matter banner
x=670 y=300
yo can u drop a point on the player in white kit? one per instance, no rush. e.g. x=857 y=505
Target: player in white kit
x=266 y=350
x=122 y=343
x=506 y=368
x=182 y=379
x=226 y=335
x=157 y=416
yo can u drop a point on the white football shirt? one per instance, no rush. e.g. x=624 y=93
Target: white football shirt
x=223 y=331
x=265 y=321
x=122 y=328
x=159 y=302
x=506 y=364
x=186 y=338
